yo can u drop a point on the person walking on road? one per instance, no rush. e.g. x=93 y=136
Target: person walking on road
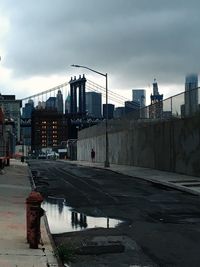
x=92 y=155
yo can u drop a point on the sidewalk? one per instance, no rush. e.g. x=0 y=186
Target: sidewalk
x=14 y=250
x=14 y=189
x=190 y=184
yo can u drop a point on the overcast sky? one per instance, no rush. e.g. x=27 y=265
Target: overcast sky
x=134 y=41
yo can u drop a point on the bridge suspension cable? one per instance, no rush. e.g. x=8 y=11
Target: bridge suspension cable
x=112 y=95
x=92 y=89
x=101 y=88
x=47 y=91
x=91 y=86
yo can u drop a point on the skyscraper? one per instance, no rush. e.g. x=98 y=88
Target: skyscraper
x=156 y=107
x=51 y=103
x=93 y=104
x=59 y=102
x=139 y=95
x=27 y=109
x=111 y=108
x=191 y=94
x=132 y=106
x=67 y=104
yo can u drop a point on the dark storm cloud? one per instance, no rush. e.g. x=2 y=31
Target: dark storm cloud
x=133 y=40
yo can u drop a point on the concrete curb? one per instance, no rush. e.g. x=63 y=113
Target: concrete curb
x=46 y=225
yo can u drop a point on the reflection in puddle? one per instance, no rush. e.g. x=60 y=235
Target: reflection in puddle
x=62 y=218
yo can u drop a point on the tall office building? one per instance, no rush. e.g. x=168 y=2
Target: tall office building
x=111 y=108
x=51 y=103
x=132 y=106
x=139 y=95
x=59 y=102
x=27 y=109
x=191 y=94
x=93 y=104
x=156 y=107
x=67 y=104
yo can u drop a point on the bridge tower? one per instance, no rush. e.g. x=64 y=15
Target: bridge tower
x=80 y=85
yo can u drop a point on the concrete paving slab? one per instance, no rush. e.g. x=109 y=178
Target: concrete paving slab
x=14 y=249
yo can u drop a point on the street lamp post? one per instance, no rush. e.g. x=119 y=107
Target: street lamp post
x=106 y=163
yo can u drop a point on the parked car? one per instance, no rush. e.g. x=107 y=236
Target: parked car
x=42 y=156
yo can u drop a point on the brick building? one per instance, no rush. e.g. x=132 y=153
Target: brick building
x=49 y=130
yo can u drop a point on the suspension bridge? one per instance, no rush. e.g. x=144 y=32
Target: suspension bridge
x=91 y=86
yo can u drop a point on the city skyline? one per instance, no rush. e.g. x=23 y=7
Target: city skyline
x=138 y=98
x=20 y=127
x=134 y=43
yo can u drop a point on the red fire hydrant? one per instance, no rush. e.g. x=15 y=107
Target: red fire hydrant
x=33 y=214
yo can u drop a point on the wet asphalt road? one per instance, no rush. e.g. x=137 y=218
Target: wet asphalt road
x=164 y=222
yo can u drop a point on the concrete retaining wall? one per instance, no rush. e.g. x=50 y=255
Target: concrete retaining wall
x=165 y=145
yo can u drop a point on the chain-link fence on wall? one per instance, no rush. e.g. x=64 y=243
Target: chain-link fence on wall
x=183 y=105
x=186 y=104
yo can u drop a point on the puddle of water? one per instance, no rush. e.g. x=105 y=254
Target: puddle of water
x=62 y=218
